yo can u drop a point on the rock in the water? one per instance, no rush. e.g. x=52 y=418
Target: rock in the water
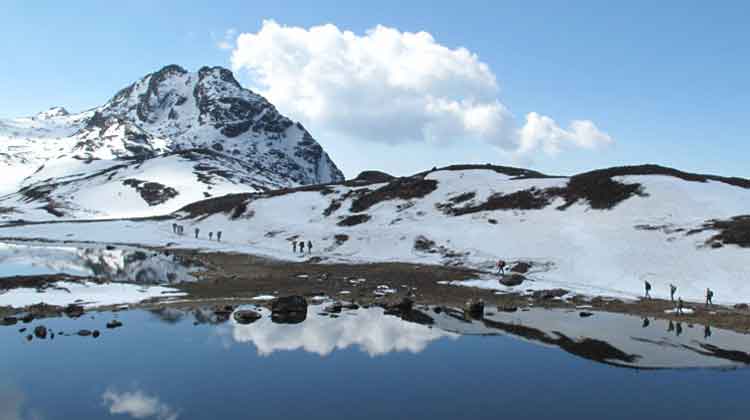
x=9 y=320
x=289 y=310
x=114 y=324
x=513 y=279
x=40 y=332
x=246 y=316
x=95 y=333
x=84 y=333
x=74 y=311
x=585 y=314
x=474 y=309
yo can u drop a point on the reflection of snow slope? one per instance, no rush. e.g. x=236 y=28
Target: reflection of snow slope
x=119 y=264
x=623 y=335
x=369 y=329
x=86 y=294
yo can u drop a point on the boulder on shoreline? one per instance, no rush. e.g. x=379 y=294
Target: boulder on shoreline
x=289 y=310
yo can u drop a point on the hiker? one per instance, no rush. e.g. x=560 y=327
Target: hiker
x=680 y=304
x=500 y=267
x=707 y=332
x=182 y=229
x=302 y=247
x=197 y=231
x=670 y=327
x=678 y=329
x=709 y=297
x=218 y=236
x=294 y=246
x=648 y=289
x=210 y=236
x=672 y=290
x=646 y=323
x=174 y=227
x=309 y=247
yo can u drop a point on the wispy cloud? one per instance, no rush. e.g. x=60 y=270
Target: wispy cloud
x=227 y=42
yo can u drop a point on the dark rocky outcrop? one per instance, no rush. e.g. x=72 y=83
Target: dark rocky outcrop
x=289 y=310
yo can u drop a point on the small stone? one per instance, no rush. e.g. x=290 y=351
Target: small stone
x=40 y=332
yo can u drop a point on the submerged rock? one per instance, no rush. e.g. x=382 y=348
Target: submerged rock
x=246 y=316
x=114 y=324
x=40 y=332
x=84 y=333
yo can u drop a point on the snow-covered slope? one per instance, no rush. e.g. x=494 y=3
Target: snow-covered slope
x=599 y=233
x=200 y=134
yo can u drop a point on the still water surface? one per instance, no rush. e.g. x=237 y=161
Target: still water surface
x=173 y=364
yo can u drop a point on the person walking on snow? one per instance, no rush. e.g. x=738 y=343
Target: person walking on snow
x=218 y=236
x=709 y=297
x=294 y=247
x=197 y=232
x=174 y=227
x=210 y=236
x=672 y=290
x=500 y=267
x=309 y=247
x=648 y=290
x=680 y=304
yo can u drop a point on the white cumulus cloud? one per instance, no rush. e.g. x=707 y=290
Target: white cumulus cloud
x=392 y=87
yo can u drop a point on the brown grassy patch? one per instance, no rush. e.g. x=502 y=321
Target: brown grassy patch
x=401 y=188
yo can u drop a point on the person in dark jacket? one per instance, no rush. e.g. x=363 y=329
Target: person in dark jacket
x=709 y=297
x=294 y=247
x=197 y=232
x=648 y=289
x=672 y=290
x=309 y=247
x=210 y=236
x=218 y=236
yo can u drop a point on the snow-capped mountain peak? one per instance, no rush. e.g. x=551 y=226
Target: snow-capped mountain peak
x=239 y=139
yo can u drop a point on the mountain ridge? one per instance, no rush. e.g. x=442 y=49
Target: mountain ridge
x=252 y=146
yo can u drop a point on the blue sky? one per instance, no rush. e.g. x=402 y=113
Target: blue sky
x=668 y=81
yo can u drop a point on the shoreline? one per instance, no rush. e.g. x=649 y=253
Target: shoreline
x=234 y=279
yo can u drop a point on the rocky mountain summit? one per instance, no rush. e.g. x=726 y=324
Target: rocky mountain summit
x=202 y=131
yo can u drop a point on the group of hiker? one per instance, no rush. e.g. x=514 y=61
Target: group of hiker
x=180 y=230
x=680 y=304
x=301 y=245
